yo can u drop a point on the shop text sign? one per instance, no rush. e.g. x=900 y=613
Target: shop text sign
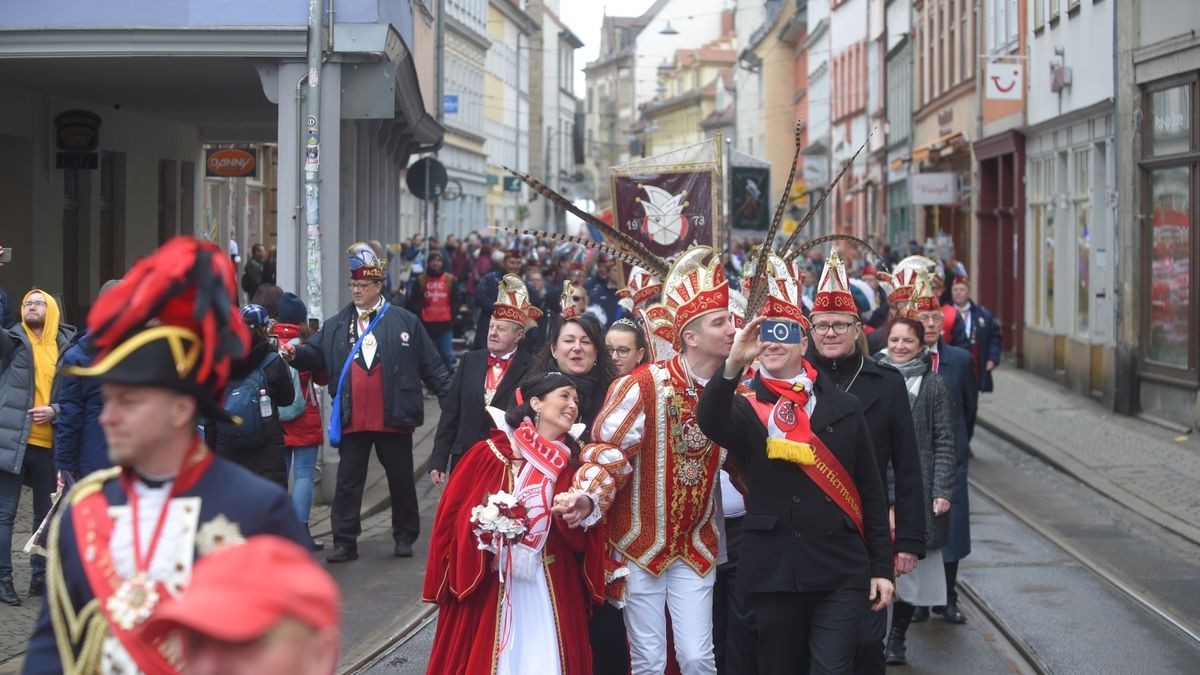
x=933 y=188
x=230 y=162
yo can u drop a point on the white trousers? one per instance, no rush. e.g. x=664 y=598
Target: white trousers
x=689 y=597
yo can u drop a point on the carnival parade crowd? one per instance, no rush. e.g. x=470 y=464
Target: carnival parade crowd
x=739 y=460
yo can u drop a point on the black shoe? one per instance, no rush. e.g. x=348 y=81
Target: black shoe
x=403 y=550
x=896 y=652
x=8 y=594
x=952 y=615
x=37 y=587
x=318 y=545
x=920 y=614
x=341 y=554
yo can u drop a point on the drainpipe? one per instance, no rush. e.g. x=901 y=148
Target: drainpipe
x=312 y=168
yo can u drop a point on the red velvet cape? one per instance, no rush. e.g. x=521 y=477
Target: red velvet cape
x=461 y=580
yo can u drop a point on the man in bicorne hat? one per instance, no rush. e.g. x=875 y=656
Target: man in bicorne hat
x=664 y=471
x=485 y=377
x=488 y=287
x=838 y=353
x=377 y=355
x=815 y=553
x=128 y=537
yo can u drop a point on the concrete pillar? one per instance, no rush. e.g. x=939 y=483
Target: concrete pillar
x=335 y=269
x=290 y=238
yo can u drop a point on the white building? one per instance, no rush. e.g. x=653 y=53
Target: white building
x=1070 y=180
x=553 y=104
x=817 y=152
x=464 y=58
x=506 y=111
x=748 y=17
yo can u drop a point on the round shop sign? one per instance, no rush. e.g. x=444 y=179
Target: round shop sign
x=230 y=162
x=77 y=130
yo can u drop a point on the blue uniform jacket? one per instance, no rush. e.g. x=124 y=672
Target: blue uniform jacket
x=958 y=371
x=257 y=506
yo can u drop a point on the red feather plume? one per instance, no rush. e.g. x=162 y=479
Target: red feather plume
x=187 y=283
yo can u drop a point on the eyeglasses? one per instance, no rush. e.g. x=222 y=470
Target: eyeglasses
x=360 y=285
x=838 y=327
x=33 y=303
x=622 y=352
x=930 y=318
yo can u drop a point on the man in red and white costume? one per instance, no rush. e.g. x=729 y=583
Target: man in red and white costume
x=663 y=519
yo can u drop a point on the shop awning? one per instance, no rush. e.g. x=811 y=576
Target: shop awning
x=942 y=147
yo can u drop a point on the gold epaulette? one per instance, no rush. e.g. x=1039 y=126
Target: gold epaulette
x=89 y=484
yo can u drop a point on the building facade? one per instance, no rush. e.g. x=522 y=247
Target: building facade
x=1158 y=181
x=690 y=85
x=506 y=123
x=191 y=74
x=1070 y=196
x=464 y=60
x=610 y=108
x=552 y=102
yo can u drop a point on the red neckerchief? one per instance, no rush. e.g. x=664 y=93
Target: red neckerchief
x=493 y=375
x=544 y=461
x=94 y=528
x=792 y=419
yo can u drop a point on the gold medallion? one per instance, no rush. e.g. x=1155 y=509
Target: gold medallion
x=133 y=602
x=369 y=340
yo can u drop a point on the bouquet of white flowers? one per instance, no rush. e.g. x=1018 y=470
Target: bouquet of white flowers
x=499 y=522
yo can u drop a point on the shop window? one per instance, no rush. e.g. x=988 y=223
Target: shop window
x=1170 y=169
x=1041 y=181
x=1083 y=236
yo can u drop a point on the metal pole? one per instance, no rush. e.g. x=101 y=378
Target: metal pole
x=311 y=161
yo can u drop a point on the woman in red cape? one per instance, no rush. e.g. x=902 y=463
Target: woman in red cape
x=535 y=621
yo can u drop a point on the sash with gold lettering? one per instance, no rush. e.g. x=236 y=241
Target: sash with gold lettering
x=93 y=530
x=804 y=448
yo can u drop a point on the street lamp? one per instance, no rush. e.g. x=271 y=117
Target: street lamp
x=668 y=29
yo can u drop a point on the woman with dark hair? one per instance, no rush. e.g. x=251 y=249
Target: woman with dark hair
x=933 y=421
x=520 y=606
x=626 y=345
x=573 y=349
x=267 y=296
x=262 y=455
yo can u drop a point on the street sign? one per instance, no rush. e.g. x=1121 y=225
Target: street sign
x=450 y=104
x=512 y=184
x=1005 y=81
x=933 y=188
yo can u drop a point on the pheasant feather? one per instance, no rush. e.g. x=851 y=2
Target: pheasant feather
x=758 y=288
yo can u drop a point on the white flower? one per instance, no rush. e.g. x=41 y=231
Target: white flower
x=503 y=499
x=489 y=513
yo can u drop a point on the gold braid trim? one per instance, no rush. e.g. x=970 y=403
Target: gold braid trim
x=88 y=627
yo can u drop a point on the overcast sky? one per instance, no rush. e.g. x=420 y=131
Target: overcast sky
x=584 y=18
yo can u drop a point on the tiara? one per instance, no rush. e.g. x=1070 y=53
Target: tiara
x=625 y=321
x=554 y=372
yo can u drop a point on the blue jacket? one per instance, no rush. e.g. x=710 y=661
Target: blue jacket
x=79 y=444
x=958 y=372
x=226 y=490
x=984 y=342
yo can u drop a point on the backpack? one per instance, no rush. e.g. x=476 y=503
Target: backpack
x=241 y=402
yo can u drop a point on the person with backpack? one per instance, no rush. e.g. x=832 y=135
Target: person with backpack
x=302 y=430
x=257 y=386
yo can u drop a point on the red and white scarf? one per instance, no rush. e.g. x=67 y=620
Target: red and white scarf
x=544 y=461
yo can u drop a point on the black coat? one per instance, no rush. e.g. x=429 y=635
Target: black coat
x=268 y=460
x=405 y=352
x=464 y=422
x=984 y=342
x=957 y=370
x=795 y=539
x=881 y=392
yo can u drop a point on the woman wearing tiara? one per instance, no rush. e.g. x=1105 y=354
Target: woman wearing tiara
x=519 y=603
x=626 y=345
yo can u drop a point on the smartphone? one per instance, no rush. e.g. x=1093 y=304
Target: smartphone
x=784 y=332
x=5 y=255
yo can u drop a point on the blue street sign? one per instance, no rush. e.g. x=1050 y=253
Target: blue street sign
x=450 y=104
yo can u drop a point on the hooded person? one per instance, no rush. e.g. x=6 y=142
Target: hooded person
x=29 y=353
x=166 y=341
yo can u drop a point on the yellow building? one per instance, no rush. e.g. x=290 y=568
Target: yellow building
x=692 y=89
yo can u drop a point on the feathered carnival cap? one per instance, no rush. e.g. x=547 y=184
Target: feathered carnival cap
x=567 y=301
x=643 y=286
x=173 y=322
x=513 y=305
x=923 y=298
x=833 y=291
x=783 y=294
x=694 y=287
x=364 y=262
x=903 y=279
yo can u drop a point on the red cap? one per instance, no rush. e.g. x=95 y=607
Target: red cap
x=961 y=279
x=868 y=271
x=240 y=592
